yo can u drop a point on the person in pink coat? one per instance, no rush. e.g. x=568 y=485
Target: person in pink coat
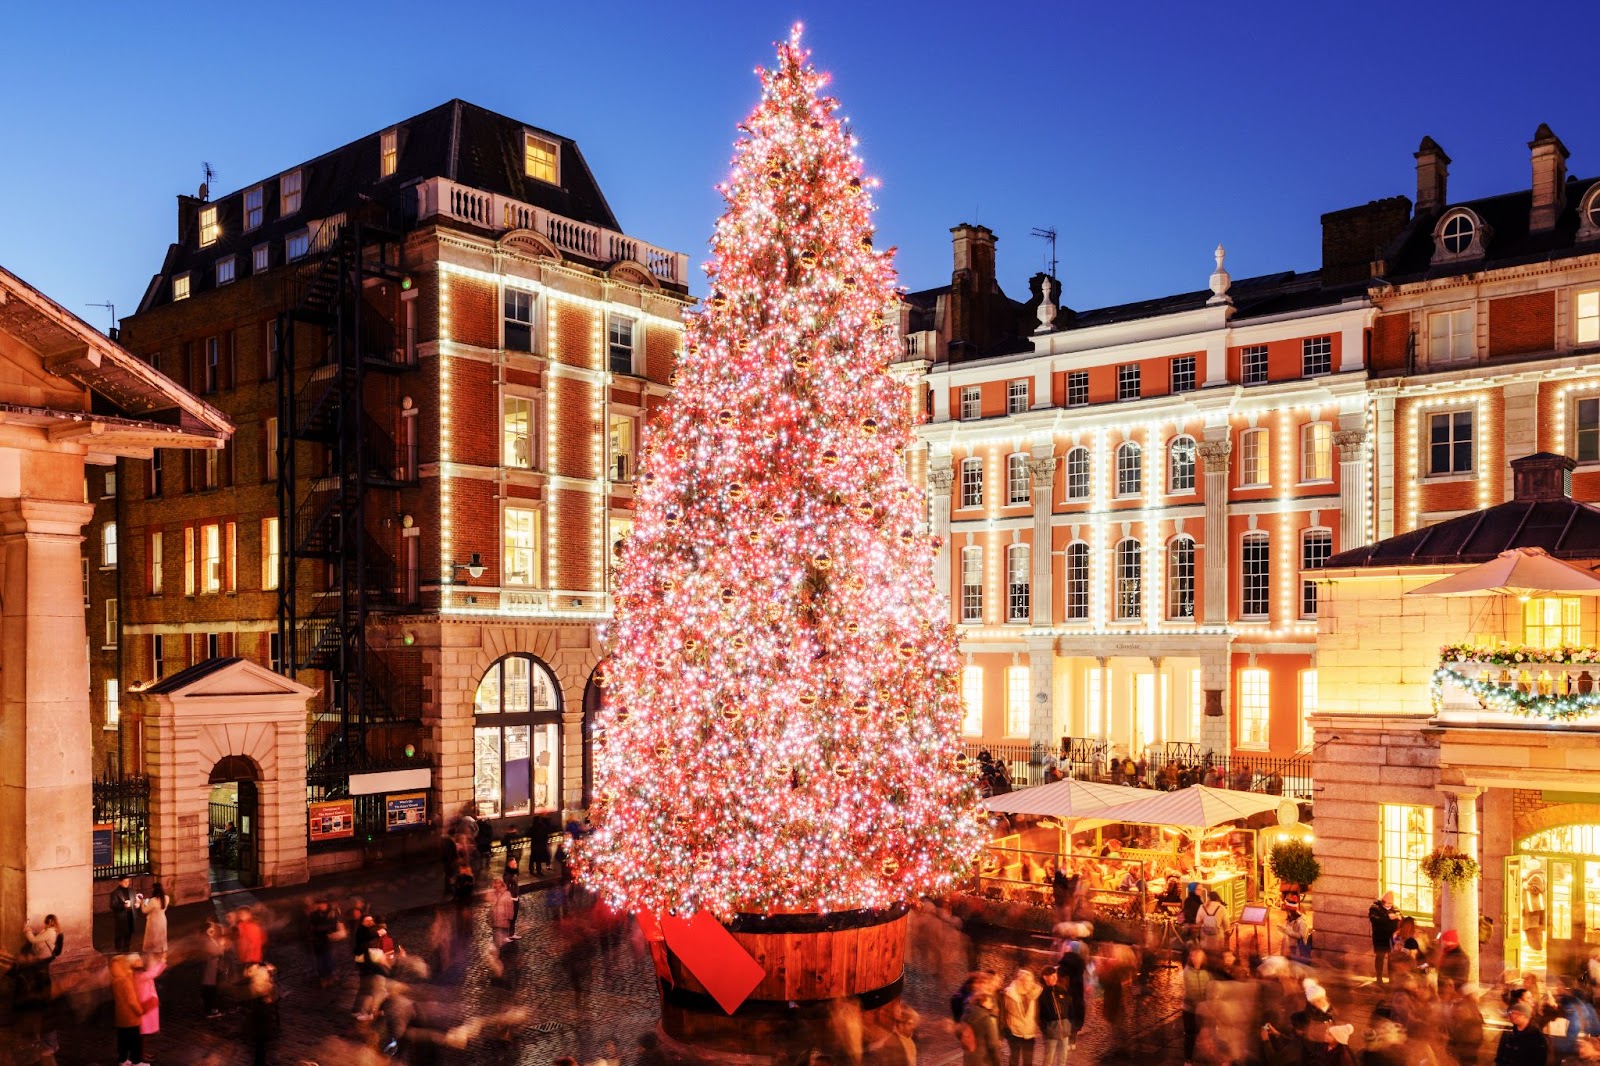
x=144 y=983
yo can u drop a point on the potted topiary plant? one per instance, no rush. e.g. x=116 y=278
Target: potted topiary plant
x=1444 y=865
x=1293 y=864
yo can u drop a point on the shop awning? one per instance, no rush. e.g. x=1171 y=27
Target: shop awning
x=1065 y=799
x=1195 y=807
x=1517 y=572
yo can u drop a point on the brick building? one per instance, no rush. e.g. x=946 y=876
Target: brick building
x=438 y=346
x=1129 y=496
x=1486 y=417
x=1132 y=497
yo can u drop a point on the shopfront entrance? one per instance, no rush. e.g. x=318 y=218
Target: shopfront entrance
x=1553 y=900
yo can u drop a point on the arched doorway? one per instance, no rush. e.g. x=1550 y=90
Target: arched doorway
x=516 y=740
x=1553 y=899
x=593 y=698
x=233 y=828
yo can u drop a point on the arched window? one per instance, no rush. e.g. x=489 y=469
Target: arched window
x=1180 y=578
x=1129 y=580
x=1018 y=588
x=516 y=739
x=1078 y=474
x=1180 y=464
x=1077 y=581
x=1130 y=469
x=1459 y=229
x=1017 y=479
x=1255 y=576
x=972 y=482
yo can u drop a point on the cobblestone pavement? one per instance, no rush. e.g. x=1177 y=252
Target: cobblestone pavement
x=563 y=1003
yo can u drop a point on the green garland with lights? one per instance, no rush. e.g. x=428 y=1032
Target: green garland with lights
x=1513 y=700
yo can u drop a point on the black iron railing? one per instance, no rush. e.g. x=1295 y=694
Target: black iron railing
x=370 y=812
x=123 y=805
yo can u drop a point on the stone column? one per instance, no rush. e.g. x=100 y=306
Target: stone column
x=940 y=479
x=1458 y=907
x=1041 y=678
x=1352 y=488
x=46 y=800
x=1215 y=671
x=1520 y=430
x=1042 y=598
x=1215 y=455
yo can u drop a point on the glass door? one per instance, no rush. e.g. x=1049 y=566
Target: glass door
x=1514 y=945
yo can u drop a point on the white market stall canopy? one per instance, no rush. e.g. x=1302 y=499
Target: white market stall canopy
x=1195 y=807
x=1065 y=799
x=1517 y=572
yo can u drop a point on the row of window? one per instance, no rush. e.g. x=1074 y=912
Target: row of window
x=1452 y=335
x=1255 y=466
x=210 y=557
x=1252 y=697
x=1128 y=592
x=1316 y=359
x=520 y=438
x=622 y=347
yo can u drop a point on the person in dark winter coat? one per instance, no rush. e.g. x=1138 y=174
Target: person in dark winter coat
x=121 y=906
x=1073 y=967
x=1522 y=1044
x=1463 y=1023
x=1054 y=1025
x=1384 y=920
x=980 y=1018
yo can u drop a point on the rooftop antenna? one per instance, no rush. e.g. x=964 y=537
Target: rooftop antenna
x=1048 y=234
x=205 y=186
x=109 y=306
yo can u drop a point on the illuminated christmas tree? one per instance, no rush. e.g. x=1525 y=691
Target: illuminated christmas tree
x=781 y=709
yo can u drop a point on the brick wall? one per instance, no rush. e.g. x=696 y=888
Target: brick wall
x=474 y=311
x=1391 y=335
x=1522 y=324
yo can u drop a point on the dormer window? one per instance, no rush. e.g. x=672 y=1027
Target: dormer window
x=180 y=287
x=252 y=208
x=1589 y=214
x=209 y=229
x=388 y=152
x=539 y=159
x=289 y=193
x=1458 y=234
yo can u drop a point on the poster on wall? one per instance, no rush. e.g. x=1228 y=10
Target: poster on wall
x=102 y=845
x=332 y=819
x=405 y=810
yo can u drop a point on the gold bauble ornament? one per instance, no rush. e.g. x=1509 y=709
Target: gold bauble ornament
x=889 y=866
x=822 y=562
x=664 y=750
x=843 y=770
x=736 y=491
x=717 y=301
x=852 y=628
x=738 y=641
x=908 y=535
x=802 y=361
x=807 y=699
x=672 y=379
x=731 y=711
x=862 y=707
x=725 y=417
x=865 y=509
x=850 y=283
x=809 y=257
x=774 y=613
x=692 y=645
x=869 y=426
x=622 y=715
x=829 y=457
x=727 y=595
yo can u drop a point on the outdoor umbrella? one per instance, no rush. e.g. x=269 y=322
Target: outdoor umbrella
x=1525 y=572
x=1195 y=807
x=1064 y=799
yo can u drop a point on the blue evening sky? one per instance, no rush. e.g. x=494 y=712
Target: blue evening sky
x=1144 y=132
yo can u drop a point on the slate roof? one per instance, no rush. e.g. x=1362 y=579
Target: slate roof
x=183 y=678
x=1509 y=244
x=456 y=140
x=1543 y=515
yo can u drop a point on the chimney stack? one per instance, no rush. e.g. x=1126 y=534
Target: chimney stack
x=974 y=250
x=970 y=308
x=1433 y=171
x=1549 y=179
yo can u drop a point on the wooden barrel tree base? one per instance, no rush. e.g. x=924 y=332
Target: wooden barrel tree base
x=827 y=976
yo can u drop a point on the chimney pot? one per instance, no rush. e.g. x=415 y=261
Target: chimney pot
x=1549 y=157
x=1433 y=173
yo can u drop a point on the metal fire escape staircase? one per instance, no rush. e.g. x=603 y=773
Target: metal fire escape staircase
x=335 y=464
